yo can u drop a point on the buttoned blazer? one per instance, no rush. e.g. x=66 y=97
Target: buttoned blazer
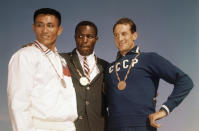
x=91 y=105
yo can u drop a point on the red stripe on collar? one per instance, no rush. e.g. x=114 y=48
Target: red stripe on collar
x=38 y=45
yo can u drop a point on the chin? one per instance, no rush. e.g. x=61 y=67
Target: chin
x=85 y=53
x=121 y=50
x=45 y=42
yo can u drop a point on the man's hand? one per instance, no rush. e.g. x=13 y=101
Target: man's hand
x=26 y=45
x=156 y=116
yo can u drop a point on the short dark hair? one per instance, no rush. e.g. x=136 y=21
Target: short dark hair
x=47 y=11
x=86 y=23
x=126 y=21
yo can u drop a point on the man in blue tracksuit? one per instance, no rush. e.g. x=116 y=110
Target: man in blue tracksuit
x=132 y=83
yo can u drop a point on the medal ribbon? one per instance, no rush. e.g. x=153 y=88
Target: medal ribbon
x=124 y=81
x=61 y=78
x=80 y=74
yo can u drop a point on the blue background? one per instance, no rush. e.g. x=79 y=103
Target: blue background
x=168 y=27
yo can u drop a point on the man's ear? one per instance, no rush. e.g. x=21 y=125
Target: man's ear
x=33 y=27
x=96 y=38
x=60 y=30
x=135 y=35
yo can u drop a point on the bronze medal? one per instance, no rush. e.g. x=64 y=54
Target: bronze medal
x=121 y=85
x=63 y=83
x=84 y=81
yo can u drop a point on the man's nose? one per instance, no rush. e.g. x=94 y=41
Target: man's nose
x=45 y=29
x=85 y=39
x=120 y=37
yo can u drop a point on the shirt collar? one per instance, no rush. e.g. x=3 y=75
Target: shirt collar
x=134 y=50
x=82 y=57
x=43 y=47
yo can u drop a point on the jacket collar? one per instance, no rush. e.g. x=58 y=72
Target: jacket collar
x=74 y=57
x=134 y=50
x=43 y=47
x=82 y=57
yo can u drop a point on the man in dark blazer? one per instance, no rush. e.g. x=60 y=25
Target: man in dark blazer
x=87 y=71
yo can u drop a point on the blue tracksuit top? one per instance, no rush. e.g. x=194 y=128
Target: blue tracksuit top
x=131 y=106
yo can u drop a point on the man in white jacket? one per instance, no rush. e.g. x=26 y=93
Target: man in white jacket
x=41 y=96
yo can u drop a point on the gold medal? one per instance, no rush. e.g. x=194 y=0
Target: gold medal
x=121 y=85
x=83 y=81
x=63 y=83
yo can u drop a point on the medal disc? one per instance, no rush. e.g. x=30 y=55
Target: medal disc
x=63 y=83
x=121 y=85
x=83 y=81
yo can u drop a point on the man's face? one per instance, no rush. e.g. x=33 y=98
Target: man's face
x=46 y=28
x=123 y=37
x=85 y=38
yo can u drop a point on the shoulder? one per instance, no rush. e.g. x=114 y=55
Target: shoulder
x=157 y=61
x=64 y=54
x=67 y=53
x=66 y=57
x=103 y=62
x=26 y=52
x=151 y=56
x=25 y=55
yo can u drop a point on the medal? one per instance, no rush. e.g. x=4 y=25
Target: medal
x=61 y=78
x=63 y=83
x=121 y=85
x=83 y=81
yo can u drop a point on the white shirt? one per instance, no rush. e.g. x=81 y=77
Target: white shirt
x=35 y=90
x=91 y=63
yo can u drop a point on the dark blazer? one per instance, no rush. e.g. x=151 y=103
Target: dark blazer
x=91 y=104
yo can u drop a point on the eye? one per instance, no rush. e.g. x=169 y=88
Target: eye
x=39 y=24
x=90 y=36
x=124 y=33
x=79 y=36
x=50 y=25
x=115 y=35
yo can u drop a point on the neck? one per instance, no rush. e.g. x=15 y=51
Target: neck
x=124 y=52
x=52 y=47
x=84 y=54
